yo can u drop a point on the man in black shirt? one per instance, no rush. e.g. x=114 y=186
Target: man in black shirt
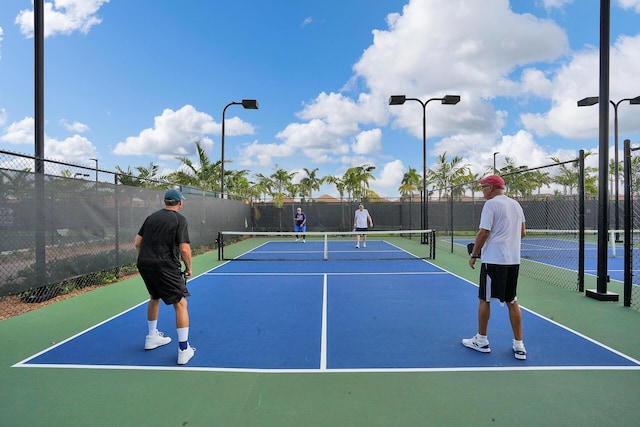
x=161 y=242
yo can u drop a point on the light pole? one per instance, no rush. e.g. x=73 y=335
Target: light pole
x=593 y=100
x=247 y=104
x=95 y=160
x=494 y=162
x=448 y=100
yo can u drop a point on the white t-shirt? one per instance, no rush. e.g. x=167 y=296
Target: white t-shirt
x=361 y=218
x=503 y=217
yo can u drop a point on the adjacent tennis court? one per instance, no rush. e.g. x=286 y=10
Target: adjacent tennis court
x=560 y=248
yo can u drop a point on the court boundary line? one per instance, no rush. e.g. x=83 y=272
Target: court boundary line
x=317 y=273
x=332 y=370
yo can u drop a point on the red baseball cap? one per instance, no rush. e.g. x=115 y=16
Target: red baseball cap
x=493 y=180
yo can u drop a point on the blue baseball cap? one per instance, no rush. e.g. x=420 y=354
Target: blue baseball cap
x=173 y=195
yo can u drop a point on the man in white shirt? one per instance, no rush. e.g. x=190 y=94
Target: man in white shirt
x=361 y=222
x=502 y=227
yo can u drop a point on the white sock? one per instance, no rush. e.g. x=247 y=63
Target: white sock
x=183 y=334
x=518 y=343
x=482 y=337
x=153 y=326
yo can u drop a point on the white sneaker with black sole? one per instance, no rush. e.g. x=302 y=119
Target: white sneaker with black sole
x=476 y=344
x=519 y=351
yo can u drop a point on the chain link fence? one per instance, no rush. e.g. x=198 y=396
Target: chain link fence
x=632 y=224
x=73 y=227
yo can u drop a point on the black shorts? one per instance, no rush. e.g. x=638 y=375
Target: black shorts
x=498 y=282
x=169 y=285
x=362 y=229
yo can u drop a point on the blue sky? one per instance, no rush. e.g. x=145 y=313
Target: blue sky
x=138 y=81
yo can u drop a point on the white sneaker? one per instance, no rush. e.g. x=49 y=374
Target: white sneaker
x=364 y=245
x=297 y=239
x=477 y=344
x=185 y=355
x=304 y=241
x=357 y=245
x=519 y=351
x=155 y=341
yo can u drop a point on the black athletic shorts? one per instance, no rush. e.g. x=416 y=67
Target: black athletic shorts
x=498 y=282
x=169 y=285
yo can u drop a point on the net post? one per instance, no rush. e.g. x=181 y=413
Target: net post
x=433 y=243
x=612 y=238
x=220 y=246
x=326 y=247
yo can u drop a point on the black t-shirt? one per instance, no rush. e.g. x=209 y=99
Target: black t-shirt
x=162 y=232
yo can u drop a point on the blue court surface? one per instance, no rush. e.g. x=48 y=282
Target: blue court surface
x=327 y=316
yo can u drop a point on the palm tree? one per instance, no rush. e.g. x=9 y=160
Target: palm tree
x=448 y=173
x=356 y=181
x=145 y=177
x=281 y=180
x=264 y=185
x=237 y=182
x=281 y=183
x=341 y=186
x=311 y=182
x=206 y=177
x=570 y=176
x=411 y=183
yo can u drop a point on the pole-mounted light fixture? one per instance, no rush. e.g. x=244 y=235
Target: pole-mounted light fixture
x=247 y=104
x=447 y=100
x=593 y=100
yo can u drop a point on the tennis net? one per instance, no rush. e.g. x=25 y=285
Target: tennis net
x=325 y=245
x=565 y=244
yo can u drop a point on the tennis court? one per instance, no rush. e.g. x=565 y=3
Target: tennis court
x=561 y=249
x=356 y=339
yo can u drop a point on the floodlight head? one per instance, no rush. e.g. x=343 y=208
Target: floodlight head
x=397 y=99
x=588 y=101
x=635 y=101
x=369 y=168
x=250 y=104
x=451 y=99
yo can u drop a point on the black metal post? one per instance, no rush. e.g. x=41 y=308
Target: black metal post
x=628 y=225
x=601 y=293
x=40 y=238
x=581 y=223
x=425 y=193
x=616 y=173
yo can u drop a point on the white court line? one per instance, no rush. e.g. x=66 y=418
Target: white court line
x=331 y=371
x=317 y=273
x=323 y=338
